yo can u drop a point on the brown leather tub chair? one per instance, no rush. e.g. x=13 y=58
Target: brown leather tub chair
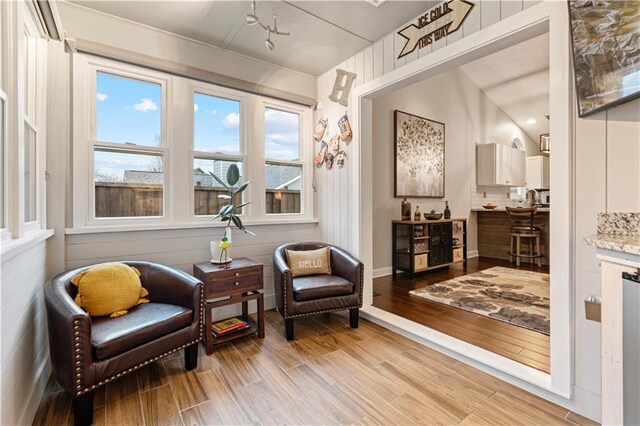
x=89 y=352
x=314 y=294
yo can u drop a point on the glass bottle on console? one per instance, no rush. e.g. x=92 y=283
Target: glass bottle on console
x=405 y=209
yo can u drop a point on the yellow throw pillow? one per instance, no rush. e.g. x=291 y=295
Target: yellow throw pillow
x=309 y=262
x=109 y=289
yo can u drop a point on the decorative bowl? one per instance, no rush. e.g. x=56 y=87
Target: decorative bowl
x=489 y=206
x=433 y=216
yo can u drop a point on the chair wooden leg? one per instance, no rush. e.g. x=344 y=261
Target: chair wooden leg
x=518 y=244
x=191 y=357
x=83 y=409
x=539 y=252
x=511 y=249
x=531 y=259
x=354 y=316
x=288 y=329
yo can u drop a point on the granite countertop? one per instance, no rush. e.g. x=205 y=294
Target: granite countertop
x=623 y=243
x=502 y=209
x=617 y=232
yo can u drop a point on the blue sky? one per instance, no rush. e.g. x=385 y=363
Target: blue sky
x=130 y=111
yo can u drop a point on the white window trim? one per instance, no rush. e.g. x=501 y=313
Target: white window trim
x=178 y=135
x=219 y=92
x=5 y=231
x=18 y=21
x=85 y=69
x=305 y=144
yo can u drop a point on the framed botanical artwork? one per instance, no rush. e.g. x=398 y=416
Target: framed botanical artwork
x=606 y=49
x=419 y=156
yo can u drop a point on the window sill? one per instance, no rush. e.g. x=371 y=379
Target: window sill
x=14 y=247
x=156 y=227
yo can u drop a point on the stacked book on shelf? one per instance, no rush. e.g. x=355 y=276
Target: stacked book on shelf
x=228 y=326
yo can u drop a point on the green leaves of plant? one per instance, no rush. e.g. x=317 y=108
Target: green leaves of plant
x=228 y=213
x=233 y=174
x=220 y=181
x=241 y=188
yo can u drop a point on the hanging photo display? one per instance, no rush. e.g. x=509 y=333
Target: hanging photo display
x=345 y=128
x=332 y=152
x=321 y=127
x=319 y=157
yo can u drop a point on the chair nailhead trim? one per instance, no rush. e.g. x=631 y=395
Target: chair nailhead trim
x=80 y=391
x=286 y=285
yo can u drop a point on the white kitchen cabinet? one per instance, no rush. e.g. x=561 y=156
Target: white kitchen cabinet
x=500 y=165
x=538 y=172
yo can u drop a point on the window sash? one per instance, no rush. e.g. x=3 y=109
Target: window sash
x=178 y=148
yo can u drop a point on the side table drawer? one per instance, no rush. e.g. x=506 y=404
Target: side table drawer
x=235 y=282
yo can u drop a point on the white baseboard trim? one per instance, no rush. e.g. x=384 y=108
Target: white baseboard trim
x=38 y=388
x=382 y=272
x=388 y=270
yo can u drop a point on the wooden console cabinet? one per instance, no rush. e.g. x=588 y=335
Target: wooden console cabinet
x=428 y=244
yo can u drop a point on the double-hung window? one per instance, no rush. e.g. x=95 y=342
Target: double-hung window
x=283 y=163
x=217 y=144
x=4 y=55
x=147 y=146
x=125 y=145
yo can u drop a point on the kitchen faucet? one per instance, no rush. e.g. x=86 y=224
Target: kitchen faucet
x=534 y=196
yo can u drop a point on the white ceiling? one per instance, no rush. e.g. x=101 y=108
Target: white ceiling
x=517 y=80
x=323 y=33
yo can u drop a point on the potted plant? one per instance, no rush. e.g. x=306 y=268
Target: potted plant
x=229 y=214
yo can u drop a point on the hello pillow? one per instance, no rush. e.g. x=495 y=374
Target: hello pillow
x=309 y=262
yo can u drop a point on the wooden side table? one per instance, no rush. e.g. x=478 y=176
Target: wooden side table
x=237 y=284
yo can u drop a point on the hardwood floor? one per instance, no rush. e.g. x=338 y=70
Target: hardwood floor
x=517 y=343
x=330 y=374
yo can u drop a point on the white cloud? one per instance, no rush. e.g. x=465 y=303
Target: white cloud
x=281 y=154
x=195 y=108
x=281 y=127
x=212 y=112
x=231 y=121
x=101 y=97
x=145 y=105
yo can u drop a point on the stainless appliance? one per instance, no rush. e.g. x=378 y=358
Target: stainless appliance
x=545 y=198
x=631 y=347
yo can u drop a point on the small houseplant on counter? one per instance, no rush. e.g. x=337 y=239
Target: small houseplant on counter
x=229 y=214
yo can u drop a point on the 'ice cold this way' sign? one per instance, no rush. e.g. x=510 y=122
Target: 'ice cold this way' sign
x=434 y=25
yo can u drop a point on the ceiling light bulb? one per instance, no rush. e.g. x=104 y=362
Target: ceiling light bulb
x=531 y=121
x=252 y=19
x=269 y=44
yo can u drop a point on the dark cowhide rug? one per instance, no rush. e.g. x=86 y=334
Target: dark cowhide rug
x=511 y=295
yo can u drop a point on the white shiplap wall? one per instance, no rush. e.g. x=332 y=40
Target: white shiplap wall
x=181 y=248
x=24 y=342
x=334 y=201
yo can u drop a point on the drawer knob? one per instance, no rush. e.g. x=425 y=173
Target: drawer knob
x=237 y=274
x=236 y=283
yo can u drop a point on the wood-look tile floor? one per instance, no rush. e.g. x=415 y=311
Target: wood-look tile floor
x=330 y=374
x=519 y=344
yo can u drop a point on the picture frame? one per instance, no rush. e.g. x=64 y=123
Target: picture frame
x=604 y=39
x=419 y=156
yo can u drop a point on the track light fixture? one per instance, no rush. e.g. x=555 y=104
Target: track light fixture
x=252 y=19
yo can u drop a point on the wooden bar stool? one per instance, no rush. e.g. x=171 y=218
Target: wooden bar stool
x=523 y=230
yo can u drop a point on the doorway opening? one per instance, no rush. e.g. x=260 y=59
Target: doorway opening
x=481 y=273
x=546 y=17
